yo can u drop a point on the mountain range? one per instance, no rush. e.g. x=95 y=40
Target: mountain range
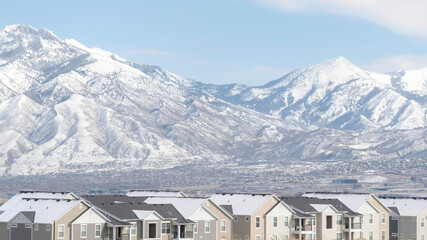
x=68 y=108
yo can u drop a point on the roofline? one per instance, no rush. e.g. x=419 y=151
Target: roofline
x=272 y=196
x=79 y=201
x=93 y=208
x=157 y=190
x=152 y=211
x=382 y=204
x=281 y=202
x=220 y=208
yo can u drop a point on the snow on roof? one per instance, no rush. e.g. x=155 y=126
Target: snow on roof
x=152 y=193
x=243 y=204
x=406 y=206
x=46 y=210
x=142 y=214
x=185 y=206
x=351 y=200
x=321 y=207
x=35 y=194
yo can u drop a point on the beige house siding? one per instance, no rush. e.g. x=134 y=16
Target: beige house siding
x=146 y=225
x=214 y=209
x=330 y=233
x=260 y=231
x=382 y=210
x=66 y=220
x=422 y=230
x=280 y=212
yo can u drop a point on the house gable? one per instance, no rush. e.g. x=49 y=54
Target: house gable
x=366 y=207
x=280 y=209
x=20 y=218
x=202 y=214
x=91 y=216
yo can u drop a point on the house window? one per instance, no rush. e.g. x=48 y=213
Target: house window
x=361 y=234
x=207 y=226
x=286 y=237
x=235 y=218
x=222 y=225
x=422 y=236
x=382 y=235
x=83 y=230
x=257 y=222
x=371 y=235
x=27 y=225
x=235 y=237
x=274 y=221
x=286 y=221
x=246 y=237
x=61 y=231
x=361 y=220
x=413 y=219
x=339 y=219
x=310 y=237
x=339 y=236
x=36 y=227
x=328 y=222
x=195 y=228
x=314 y=222
x=257 y=237
x=422 y=222
x=314 y=236
x=133 y=229
x=48 y=228
x=371 y=218
x=97 y=230
x=274 y=237
x=247 y=219
x=166 y=227
x=382 y=218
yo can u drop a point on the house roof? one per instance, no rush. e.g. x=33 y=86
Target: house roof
x=30 y=215
x=405 y=206
x=154 y=193
x=241 y=204
x=311 y=205
x=36 y=194
x=123 y=207
x=352 y=200
x=44 y=210
x=142 y=214
x=185 y=206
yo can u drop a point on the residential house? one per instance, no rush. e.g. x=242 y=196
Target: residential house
x=248 y=211
x=147 y=221
x=330 y=219
x=408 y=220
x=211 y=221
x=280 y=222
x=375 y=215
x=40 y=218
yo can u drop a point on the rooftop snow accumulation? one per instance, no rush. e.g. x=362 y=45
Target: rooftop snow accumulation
x=35 y=194
x=406 y=206
x=185 y=206
x=243 y=204
x=46 y=210
x=351 y=200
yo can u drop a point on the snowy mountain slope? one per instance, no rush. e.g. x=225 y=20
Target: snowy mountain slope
x=337 y=94
x=68 y=108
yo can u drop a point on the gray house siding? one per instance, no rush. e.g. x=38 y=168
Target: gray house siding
x=407 y=228
x=20 y=232
x=4 y=232
x=394 y=228
x=90 y=232
x=41 y=233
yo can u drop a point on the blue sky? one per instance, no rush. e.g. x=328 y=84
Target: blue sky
x=246 y=41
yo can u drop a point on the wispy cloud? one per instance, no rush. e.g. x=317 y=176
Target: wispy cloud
x=135 y=52
x=403 y=16
x=399 y=62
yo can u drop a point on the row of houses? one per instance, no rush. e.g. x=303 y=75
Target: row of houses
x=165 y=215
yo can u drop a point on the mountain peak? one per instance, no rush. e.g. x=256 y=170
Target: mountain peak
x=26 y=30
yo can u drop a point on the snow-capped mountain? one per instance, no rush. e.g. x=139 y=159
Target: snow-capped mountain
x=337 y=94
x=67 y=108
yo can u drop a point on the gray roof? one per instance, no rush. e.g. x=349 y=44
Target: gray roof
x=30 y=215
x=228 y=208
x=122 y=206
x=310 y=205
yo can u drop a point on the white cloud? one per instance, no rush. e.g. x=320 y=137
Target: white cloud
x=403 y=16
x=146 y=52
x=399 y=62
